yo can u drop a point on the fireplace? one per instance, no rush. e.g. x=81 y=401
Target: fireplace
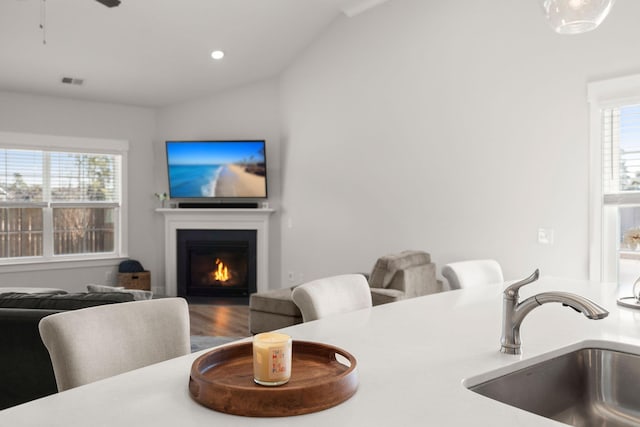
x=176 y=220
x=216 y=263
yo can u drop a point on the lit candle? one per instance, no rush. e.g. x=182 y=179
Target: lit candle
x=271 y=358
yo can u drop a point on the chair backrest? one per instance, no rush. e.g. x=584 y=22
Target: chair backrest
x=466 y=274
x=332 y=295
x=90 y=344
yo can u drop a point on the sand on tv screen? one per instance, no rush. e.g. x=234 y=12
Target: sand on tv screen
x=216 y=169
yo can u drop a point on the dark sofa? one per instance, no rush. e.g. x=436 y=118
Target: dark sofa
x=25 y=368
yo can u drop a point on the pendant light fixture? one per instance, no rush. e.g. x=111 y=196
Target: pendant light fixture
x=575 y=16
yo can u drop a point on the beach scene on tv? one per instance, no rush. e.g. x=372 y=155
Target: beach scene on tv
x=216 y=169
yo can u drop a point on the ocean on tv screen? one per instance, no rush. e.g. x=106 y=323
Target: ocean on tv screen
x=232 y=180
x=189 y=181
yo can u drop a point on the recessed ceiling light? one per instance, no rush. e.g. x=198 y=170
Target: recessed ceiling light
x=217 y=54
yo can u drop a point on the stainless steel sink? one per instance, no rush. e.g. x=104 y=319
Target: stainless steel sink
x=586 y=387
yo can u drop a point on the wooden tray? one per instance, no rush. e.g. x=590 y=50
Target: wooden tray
x=222 y=379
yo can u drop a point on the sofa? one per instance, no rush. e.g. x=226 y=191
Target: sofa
x=25 y=368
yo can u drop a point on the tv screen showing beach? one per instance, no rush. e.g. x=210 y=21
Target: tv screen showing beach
x=216 y=169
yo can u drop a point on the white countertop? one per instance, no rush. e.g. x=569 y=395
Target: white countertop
x=413 y=357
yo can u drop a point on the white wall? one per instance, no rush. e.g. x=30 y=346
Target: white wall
x=250 y=112
x=458 y=127
x=65 y=117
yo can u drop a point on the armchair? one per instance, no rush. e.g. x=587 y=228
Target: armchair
x=403 y=275
x=394 y=277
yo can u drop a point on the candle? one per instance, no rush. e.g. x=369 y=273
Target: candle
x=271 y=358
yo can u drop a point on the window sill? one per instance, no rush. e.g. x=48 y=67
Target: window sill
x=23 y=265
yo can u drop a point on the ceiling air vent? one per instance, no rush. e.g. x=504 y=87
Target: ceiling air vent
x=72 y=81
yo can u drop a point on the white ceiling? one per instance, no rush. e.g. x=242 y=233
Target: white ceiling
x=155 y=52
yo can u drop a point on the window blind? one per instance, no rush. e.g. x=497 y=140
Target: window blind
x=28 y=176
x=21 y=175
x=84 y=177
x=621 y=154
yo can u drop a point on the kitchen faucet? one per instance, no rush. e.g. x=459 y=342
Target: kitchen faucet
x=513 y=312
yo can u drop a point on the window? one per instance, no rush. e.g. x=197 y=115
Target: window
x=60 y=198
x=615 y=180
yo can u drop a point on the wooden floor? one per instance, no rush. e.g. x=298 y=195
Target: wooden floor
x=219 y=320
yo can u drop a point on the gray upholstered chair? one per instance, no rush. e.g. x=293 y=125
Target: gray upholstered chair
x=403 y=275
x=394 y=277
x=466 y=274
x=332 y=295
x=94 y=343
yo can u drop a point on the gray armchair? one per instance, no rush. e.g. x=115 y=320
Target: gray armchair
x=394 y=277
x=403 y=275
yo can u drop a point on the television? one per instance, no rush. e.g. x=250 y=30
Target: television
x=217 y=170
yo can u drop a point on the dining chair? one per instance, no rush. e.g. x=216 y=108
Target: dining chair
x=94 y=343
x=466 y=274
x=332 y=295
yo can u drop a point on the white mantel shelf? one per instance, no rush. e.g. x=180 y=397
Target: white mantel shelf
x=215 y=219
x=215 y=211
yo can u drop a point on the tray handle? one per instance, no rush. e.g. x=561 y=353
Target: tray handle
x=343 y=358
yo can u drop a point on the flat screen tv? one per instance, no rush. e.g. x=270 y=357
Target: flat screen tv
x=217 y=169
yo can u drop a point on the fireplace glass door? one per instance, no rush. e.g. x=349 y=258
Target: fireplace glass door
x=214 y=263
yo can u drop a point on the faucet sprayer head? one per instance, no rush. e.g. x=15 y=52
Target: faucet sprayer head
x=579 y=303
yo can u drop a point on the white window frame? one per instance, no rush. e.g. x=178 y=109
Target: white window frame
x=603 y=227
x=25 y=141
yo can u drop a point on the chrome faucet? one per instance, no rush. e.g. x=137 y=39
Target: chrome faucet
x=513 y=312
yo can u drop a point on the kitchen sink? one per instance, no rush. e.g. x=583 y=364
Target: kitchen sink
x=585 y=387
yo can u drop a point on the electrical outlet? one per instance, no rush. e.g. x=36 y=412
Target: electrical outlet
x=291 y=276
x=108 y=276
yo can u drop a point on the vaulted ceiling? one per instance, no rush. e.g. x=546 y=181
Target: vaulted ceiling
x=155 y=52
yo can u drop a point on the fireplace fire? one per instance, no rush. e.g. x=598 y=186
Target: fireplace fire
x=216 y=263
x=221 y=273
x=208 y=269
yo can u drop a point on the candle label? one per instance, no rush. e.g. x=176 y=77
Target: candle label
x=278 y=363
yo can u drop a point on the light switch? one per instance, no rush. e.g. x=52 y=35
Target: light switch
x=545 y=236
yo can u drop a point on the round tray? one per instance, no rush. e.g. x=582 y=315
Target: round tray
x=222 y=379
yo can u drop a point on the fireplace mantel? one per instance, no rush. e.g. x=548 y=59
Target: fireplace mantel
x=215 y=219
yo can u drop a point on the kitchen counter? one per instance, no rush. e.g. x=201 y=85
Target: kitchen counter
x=413 y=359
